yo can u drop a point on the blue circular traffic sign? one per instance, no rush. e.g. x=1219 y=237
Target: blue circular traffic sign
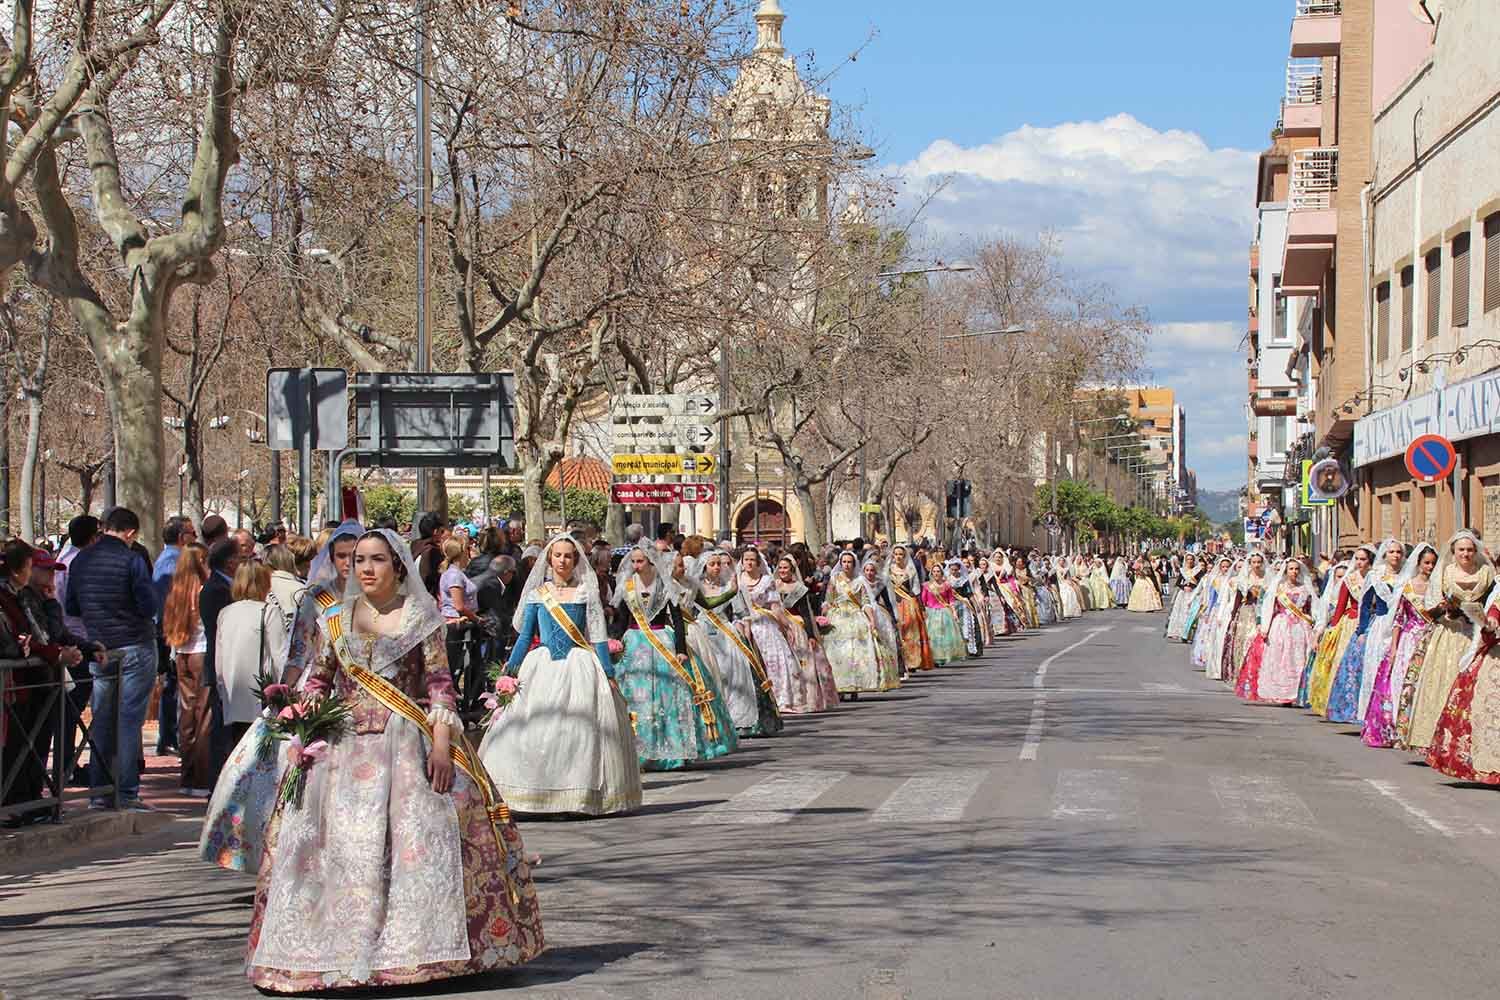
x=1430 y=458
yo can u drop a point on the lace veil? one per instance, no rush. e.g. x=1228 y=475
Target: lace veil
x=663 y=587
x=322 y=570
x=419 y=619
x=583 y=578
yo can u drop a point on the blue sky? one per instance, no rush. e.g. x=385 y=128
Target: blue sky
x=1128 y=129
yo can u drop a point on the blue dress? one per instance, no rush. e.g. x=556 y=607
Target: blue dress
x=1343 y=700
x=677 y=709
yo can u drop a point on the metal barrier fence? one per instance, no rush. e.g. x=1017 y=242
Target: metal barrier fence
x=45 y=733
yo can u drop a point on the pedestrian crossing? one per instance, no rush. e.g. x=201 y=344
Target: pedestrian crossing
x=1136 y=791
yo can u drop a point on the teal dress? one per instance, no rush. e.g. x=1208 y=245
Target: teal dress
x=677 y=709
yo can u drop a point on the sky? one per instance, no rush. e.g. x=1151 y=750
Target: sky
x=1129 y=130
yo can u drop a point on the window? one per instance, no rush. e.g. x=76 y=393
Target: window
x=796 y=197
x=1278 y=435
x=1408 y=281
x=1492 y=263
x=1460 y=265
x=1382 y=321
x=1434 y=292
x=1279 y=332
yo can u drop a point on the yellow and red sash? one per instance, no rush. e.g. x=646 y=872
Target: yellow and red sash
x=1292 y=608
x=757 y=667
x=459 y=751
x=703 y=698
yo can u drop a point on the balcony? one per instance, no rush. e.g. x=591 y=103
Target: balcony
x=1312 y=222
x=1317 y=29
x=1302 y=107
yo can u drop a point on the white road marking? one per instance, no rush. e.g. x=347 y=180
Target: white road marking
x=774 y=800
x=1164 y=688
x=1260 y=800
x=1145 y=629
x=1095 y=796
x=1039 y=703
x=939 y=797
x=1417 y=814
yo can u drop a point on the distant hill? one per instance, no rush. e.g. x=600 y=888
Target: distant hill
x=1219 y=505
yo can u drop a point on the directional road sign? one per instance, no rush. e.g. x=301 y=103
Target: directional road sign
x=663 y=405
x=1430 y=458
x=665 y=435
x=648 y=493
x=869 y=508
x=665 y=465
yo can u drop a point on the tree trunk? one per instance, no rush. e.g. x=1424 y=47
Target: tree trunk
x=812 y=521
x=192 y=457
x=5 y=531
x=88 y=482
x=28 y=467
x=532 y=478
x=129 y=362
x=614 y=523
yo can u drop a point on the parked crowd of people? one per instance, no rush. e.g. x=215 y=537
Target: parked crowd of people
x=1398 y=640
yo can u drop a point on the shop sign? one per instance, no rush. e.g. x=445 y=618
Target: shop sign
x=1463 y=410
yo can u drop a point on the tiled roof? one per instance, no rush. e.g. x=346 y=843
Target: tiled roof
x=581 y=473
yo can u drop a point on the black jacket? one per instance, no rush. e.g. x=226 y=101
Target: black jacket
x=109 y=587
x=212 y=599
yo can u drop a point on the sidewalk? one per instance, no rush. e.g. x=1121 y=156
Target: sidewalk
x=161 y=787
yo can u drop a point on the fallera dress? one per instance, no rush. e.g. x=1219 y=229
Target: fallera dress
x=1334 y=642
x=1203 y=638
x=377 y=880
x=813 y=668
x=1145 y=594
x=1119 y=584
x=911 y=621
x=942 y=624
x=1436 y=664
x=1101 y=593
x=1343 y=694
x=564 y=744
x=716 y=632
x=1466 y=742
x=1182 y=601
x=886 y=638
x=853 y=648
x=796 y=692
x=1288 y=642
x=1412 y=625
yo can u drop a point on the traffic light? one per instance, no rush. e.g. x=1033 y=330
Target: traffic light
x=959 y=495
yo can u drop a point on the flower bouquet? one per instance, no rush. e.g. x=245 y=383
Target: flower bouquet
x=273 y=698
x=616 y=650
x=310 y=727
x=823 y=624
x=506 y=689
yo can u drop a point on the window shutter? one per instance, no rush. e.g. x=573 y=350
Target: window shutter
x=1408 y=291
x=1460 y=265
x=1383 y=320
x=1492 y=262
x=1434 y=291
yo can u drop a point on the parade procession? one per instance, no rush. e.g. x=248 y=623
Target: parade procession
x=745 y=499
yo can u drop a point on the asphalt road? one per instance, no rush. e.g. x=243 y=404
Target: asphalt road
x=1076 y=815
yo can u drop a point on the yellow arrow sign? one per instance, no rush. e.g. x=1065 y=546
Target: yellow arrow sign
x=665 y=465
x=869 y=508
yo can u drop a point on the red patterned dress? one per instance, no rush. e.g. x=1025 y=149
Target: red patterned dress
x=1466 y=744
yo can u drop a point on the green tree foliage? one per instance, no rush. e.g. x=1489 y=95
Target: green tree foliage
x=383 y=501
x=582 y=504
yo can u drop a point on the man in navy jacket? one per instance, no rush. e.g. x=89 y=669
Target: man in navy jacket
x=109 y=587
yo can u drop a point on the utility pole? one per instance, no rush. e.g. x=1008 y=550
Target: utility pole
x=424 y=218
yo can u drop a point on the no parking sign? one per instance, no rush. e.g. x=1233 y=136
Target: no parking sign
x=1430 y=458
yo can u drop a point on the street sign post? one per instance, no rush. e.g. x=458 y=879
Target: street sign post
x=869 y=508
x=307 y=409
x=665 y=465
x=1430 y=458
x=668 y=435
x=660 y=493
x=624 y=408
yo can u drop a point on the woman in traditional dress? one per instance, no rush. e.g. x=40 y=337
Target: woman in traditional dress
x=804 y=634
x=1219 y=626
x=397 y=867
x=564 y=744
x=675 y=702
x=1343 y=623
x=769 y=628
x=1410 y=624
x=244 y=796
x=1464 y=576
x=1323 y=605
x=1201 y=603
x=1069 y=596
x=911 y=620
x=1096 y=578
x=1182 y=597
x=1286 y=622
x=1145 y=593
x=852 y=644
x=1239 y=632
x=1376 y=605
x=878 y=599
x=1010 y=594
x=1028 y=585
x=721 y=631
x=989 y=583
x=1247 y=679
x=942 y=621
x=956 y=581
x=1466 y=741
x=1119 y=583
x=1046 y=603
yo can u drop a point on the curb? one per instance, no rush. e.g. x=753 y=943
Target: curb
x=37 y=842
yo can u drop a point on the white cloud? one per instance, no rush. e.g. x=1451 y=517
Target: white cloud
x=1160 y=215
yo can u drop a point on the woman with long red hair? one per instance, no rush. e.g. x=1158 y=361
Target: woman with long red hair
x=182 y=627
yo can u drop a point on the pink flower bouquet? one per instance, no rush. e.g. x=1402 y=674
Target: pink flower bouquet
x=506 y=690
x=309 y=727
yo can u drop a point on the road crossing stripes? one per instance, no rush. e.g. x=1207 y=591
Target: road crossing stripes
x=1095 y=796
x=775 y=800
x=1260 y=800
x=931 y=798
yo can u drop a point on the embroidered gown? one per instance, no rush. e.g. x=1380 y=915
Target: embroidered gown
x=677 y=709
x=564 y=744
x=377 y=880
x=1119 y=586
x=1436 y=664
x=853 y=648
x=878 y=599
x=1413 y=623
x=1208 y=617
x=1182 y=600
x=796 y=693
x=1101 y=592
x=748 y=691
x=1288 y=643
x=1466 y=742
x=911 y=622
x=1145 y=593
x=1343 y=694
x=942 y=624
x=1331 y=646
x=813 y=668
x=245 y=795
